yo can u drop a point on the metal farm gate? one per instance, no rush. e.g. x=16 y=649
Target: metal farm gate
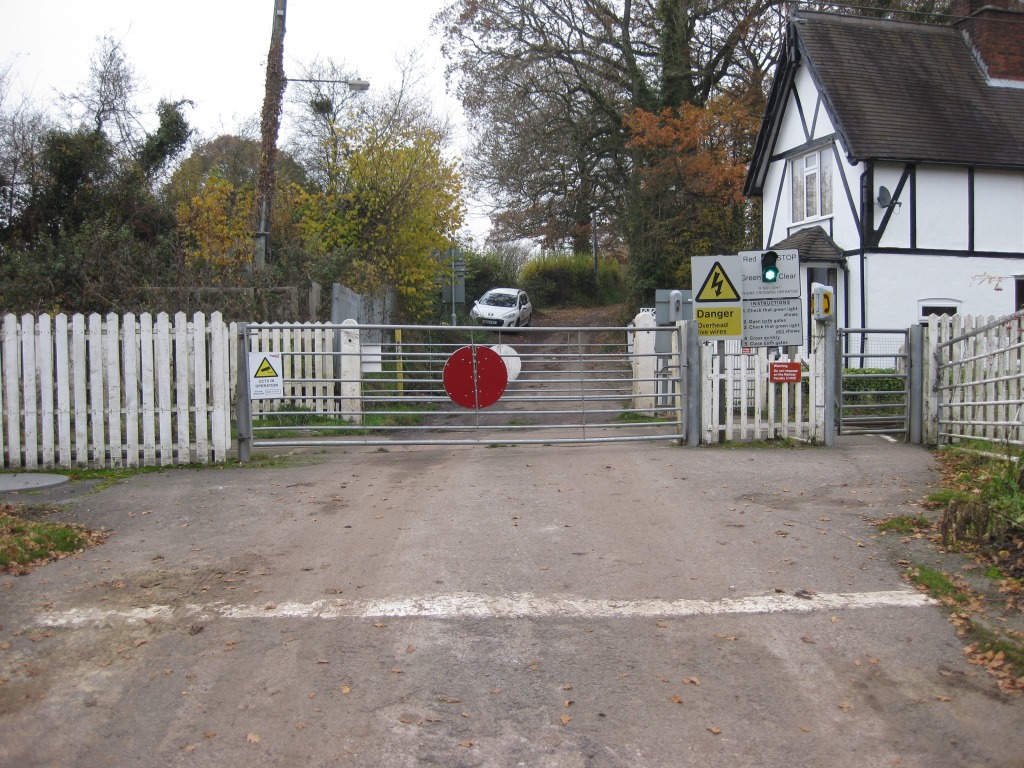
x=385 y=385
x=874 y=371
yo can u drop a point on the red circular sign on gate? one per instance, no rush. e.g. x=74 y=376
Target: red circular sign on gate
x=475 y=377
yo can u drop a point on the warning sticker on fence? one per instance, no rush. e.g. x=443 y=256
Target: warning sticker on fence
x=265 y=379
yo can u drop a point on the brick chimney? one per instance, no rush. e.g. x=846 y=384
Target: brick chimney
x=995 y=29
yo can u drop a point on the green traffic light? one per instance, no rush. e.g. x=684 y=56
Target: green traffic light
x=769 y=266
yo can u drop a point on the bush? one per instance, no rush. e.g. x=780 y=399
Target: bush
x=555 y=279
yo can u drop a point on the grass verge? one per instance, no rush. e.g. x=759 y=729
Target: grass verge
x=25 y=544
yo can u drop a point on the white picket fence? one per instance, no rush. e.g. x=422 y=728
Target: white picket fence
x=113 y=391
x=740 y=403
x=974 y=379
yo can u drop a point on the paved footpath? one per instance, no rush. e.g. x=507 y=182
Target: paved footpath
x=609 y=605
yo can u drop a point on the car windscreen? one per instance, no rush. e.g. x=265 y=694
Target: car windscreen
x=498 y=300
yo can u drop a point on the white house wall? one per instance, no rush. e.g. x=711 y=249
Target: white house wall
x=897 y=231
x=999 y=211
x=805 y=122
x=897 y=283
x=942 y=206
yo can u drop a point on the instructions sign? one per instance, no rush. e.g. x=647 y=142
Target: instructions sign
x=772 y=323
x=266 y=381
x=717 y=297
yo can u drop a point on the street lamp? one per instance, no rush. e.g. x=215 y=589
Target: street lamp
x=357 y=85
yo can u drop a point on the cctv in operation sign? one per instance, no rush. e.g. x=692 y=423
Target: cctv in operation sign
x=717 y=296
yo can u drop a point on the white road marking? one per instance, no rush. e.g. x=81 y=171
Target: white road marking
x=469 y=605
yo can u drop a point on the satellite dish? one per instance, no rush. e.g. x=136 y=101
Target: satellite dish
x=884 y=197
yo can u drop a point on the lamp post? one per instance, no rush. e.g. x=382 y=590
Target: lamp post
x=270 y=124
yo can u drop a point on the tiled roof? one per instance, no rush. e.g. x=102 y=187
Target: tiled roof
x=813 y=244
x=909 y=92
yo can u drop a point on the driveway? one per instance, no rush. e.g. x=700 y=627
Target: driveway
x=613 y=605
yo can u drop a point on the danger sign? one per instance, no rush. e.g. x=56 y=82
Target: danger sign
x=265 y=379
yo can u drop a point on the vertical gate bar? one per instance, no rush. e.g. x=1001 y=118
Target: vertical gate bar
x=829 y=362
x=583 y=393
x=915 y=362
x=243 y=409
x=693 y=385
x=679 y=382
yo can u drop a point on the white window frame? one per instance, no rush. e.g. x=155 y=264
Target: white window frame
x=811 y=179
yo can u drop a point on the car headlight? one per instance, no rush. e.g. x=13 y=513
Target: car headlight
x=508 y=316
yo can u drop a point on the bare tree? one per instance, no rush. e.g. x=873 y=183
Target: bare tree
x=106 y=101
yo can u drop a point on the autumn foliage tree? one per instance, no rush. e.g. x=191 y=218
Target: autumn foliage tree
x=693 y=171
x=399 y=203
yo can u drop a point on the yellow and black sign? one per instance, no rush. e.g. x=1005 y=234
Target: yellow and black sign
x=265 y=371
x=719 y=322
x=266 y=381
x=717 y=287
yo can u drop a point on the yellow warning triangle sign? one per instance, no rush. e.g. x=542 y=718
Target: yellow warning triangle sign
x=717 y=286
x=265 y=371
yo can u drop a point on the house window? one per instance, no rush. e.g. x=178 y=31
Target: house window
x=937 y=306
x=812 y=185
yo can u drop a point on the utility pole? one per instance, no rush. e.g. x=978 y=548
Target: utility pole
x=270 y=124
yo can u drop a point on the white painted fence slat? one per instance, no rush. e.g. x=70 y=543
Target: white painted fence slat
x=61 y=348
x=113 y=360
x=220 y=376
x=162 y=337
x=131 y=391
x=12 y=387
x=28 y=390
x=181 y=387
x=80 y=403
x=97 y=406
x=200 y=389
x=148 y=390
x=44 y=369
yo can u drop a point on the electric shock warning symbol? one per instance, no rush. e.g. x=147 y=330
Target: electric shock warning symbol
x=717 y=287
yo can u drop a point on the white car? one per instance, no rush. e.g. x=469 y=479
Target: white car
x=503 y=308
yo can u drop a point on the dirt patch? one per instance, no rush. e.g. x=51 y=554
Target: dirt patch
x=582 y=317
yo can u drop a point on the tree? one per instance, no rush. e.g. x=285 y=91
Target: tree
x=694 y=171
x=106 y=102
x=83 y=222
x=22 y=128
x=213 y=194
x=548 y=85
x=400 y=203
x=384 y=196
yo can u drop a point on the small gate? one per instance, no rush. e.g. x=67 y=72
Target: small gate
x=874 y=396
x=385 y=385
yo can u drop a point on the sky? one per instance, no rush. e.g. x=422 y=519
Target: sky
x=214 y=52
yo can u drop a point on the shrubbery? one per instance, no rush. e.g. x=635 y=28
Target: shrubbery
x=568 y=279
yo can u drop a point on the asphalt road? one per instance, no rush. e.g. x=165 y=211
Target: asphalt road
x=612 y=605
